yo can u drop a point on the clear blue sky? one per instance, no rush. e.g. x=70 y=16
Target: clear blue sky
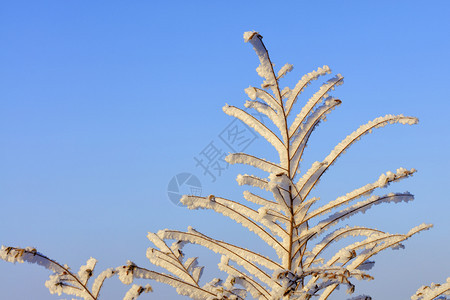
x=102 y=103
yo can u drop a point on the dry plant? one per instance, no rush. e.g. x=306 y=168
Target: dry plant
x=298 y=227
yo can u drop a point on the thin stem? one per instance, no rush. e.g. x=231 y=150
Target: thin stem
x=75 y=278
x=172 y=278
x=343 y=149
x=330 y=241
x=345 y=214
x=306 y=136
x=312 y=106
x=221 y=245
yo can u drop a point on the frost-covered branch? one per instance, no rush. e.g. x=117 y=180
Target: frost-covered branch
x=241 y=256
x=62 y=280
x=359 y=207
x=171 y=259
x=433 y=291
x=256 y=93
x=130 y=271
x=371 y=246
x=136 y=290
x=258 y=126
x=313 y=101
x=244 y=158
x=383 y=181
x=257 y=290
x=265 y=69
x=241 y=214
x=311 y=177
x=303 y=82
x=336 y=236
x=288 y=220
x=300 y=138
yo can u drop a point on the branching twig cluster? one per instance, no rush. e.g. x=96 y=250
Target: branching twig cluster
x=298 y=227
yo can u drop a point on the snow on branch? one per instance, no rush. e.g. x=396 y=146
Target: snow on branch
x=302 y=83
x=253 y=181
x=136 y=290
x=100 y=279
x=336 y=236
x=262 y=201
x=284 y=70
x=314 y=100
x=302 y=134
x=360 y=207
x=259 y=127
x=263 y=108
x=382 y=181
x=389 y=242
x=433 y=291
x=311 y=177
x=62 y=280
x=328 y=275
x=172 y=262
x=130 y=271
x=256 y=93
x=371 y=246
x=257 y=290
x=239 y=213
x=262 y=164
x=241 y=256
x=265 y=69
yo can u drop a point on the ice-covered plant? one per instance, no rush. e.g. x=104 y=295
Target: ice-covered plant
x=298 y=227
x=433 y=291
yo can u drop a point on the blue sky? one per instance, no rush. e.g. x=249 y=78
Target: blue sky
x=101 y=104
